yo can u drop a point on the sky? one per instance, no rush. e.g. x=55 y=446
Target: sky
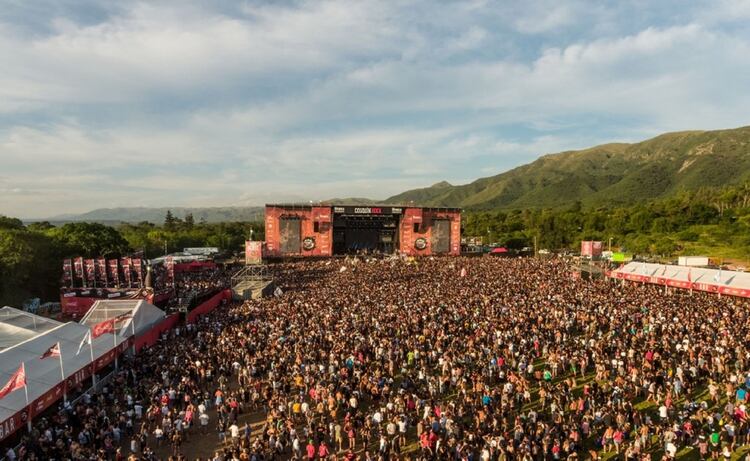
x=235 y=103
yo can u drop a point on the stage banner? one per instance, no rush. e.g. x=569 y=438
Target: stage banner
x=169 y=263
x=67 y=276
x=78 y=266
x=253 y=252
x=596 y=249
x=125 y=263
x=90 y=273
x=138 y=267
x=587 y=248
x=101 y=272
x=113 y=272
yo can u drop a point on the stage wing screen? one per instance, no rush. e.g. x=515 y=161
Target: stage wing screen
x=441 y=236
x=291 y=239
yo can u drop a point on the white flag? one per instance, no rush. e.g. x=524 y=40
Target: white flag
x=717 y=277
x=86 y=340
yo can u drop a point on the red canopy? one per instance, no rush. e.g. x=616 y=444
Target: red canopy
x=499 y=250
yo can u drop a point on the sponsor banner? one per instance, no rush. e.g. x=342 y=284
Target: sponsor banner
x=113 y=272
x=12 y=424
x=138 y=269
x=67 y=276
x=101 y=272
x=253 y=252
x=367 y=210
x=90 y=273
x=78 y=267
x=169 y=262
x=204 y=251
x=51 y=396
x=125 y=263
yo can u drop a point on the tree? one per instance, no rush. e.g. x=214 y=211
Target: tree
x=189 y=220
x=90 y=240
x=170 y=222
x=10 y=223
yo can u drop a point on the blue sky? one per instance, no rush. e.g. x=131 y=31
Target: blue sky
x=189 y=103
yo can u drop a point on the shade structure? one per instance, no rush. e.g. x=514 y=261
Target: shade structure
x=141 y=315
x=732 y=283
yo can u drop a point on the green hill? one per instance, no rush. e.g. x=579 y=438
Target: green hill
x=608 y=174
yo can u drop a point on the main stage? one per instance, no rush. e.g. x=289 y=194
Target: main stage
x=331 y=230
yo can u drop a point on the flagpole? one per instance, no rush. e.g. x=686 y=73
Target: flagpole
x=62 y=373
x=26 y=393
x=93 y=365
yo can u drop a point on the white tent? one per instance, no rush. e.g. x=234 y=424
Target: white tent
x=143 y=315
x=17 y=325
x=25 y=337
x=712 y=280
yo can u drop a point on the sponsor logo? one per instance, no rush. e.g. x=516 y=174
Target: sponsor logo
x=308 y=243
x=69 y=295
x=7 y=427
x=338 y=209
x=396 y=210
x=420 y=243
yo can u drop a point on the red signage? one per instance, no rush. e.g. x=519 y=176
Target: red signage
x=253 y=252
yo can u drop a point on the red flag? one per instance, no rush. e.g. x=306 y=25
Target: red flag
x=17 y=381
x=107 y=326
x=53 y=351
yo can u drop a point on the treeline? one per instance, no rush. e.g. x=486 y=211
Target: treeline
x=705 y=220
x=31 y=256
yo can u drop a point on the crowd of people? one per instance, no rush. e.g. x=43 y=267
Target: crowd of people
x=476 y=359
x=194 y=287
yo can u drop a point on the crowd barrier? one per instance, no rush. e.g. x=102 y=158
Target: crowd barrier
x=150 y=338
x=208 y=306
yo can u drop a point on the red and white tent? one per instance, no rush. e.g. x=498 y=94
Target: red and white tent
x=731 y=283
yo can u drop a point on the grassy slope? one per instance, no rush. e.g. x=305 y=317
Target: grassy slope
x=607 y=174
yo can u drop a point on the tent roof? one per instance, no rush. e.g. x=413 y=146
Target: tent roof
x=17 y=326
x=145 y=315
x=723 y=281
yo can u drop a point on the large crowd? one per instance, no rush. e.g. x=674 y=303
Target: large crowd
x=476 y=359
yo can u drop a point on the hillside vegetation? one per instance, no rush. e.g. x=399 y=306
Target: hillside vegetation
x=606 y=175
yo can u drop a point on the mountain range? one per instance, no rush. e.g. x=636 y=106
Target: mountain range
x=609 y=174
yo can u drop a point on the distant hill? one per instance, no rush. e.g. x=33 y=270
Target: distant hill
x=608 y=174
x=156 y=215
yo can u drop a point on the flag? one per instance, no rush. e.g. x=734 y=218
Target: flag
x=16 y=381
x=690 y=279
x=86 y=340
x=107 y=326
x=53 y=351
x=717 y=277
x=664 y=271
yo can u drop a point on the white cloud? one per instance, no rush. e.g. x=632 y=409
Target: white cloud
x=177 y=105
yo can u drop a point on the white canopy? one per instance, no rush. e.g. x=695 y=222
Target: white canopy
x=144 y=314
x=712 y=280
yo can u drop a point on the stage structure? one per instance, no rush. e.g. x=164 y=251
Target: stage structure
x=330 y=230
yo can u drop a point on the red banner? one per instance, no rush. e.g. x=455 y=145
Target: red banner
x=253 y=252
x=169 y=263
x=113 y=272
x=67 y=276
x=90 y=272
x=138 y=268
x=78 y=265
x=125 y=263
x=101 y=272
